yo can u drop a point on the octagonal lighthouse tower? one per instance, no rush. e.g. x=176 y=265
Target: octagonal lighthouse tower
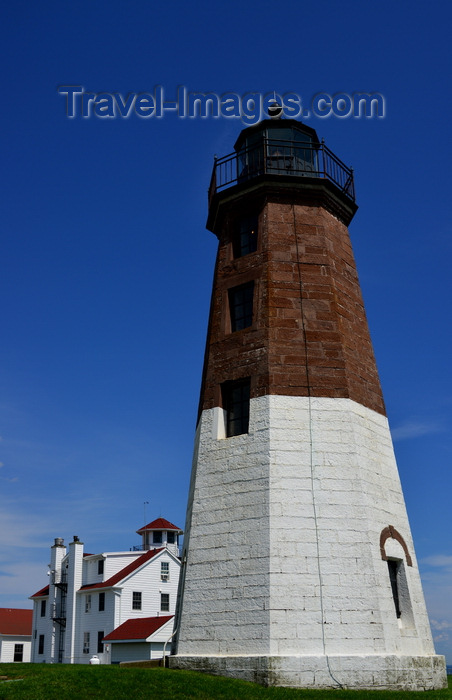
x=299 y=566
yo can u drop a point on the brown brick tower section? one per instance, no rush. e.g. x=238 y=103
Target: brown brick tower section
x=309 y=333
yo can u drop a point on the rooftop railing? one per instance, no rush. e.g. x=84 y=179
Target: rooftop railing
x=172 y=546
x=289 y=158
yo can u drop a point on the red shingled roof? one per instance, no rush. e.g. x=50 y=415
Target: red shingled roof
x=139 y=628
x=16 y=621
x=159 y=524
x=123 y=573
x=43 y=592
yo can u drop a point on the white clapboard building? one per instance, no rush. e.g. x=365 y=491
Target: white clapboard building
x=15 y=635
x=101 y=605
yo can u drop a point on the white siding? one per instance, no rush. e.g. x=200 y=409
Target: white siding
x=163 y=634
x=134 y=651
x=148 y=581
x=41 y=625
x=113 y=562
x=90 y=572
x=138 y=651
x=116 y=561
x=157 y=650
x=93 y=622
x=7 y=644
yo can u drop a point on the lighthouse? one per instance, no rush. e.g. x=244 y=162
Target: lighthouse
x=298 y=566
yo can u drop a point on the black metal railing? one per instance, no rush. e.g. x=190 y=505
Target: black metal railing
x=59 y=579
x=58 y=613
x=154 y=545
x=274 y=157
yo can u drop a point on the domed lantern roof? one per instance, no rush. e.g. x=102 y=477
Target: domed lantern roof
x=276 y=129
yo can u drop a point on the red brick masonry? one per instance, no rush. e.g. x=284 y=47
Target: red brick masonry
x=309 y=334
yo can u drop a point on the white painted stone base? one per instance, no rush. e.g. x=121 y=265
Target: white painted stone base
x=286 y=548
x=373 y=672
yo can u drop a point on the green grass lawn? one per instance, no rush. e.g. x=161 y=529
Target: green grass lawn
x=71 y=682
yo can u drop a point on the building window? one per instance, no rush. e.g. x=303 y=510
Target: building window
x=393 y=566
x=400 y=592
x=86 y=642
x=100 y=567
x=171 y=537
x=236 y=403
x=164 y=602
x=136 y=600
x=241 y=306
x=100 y=646
x=43 y=608
x=41 y=644
x=157 y=537
x=88 y=603
x=164 y=570
x=101 y=602
x=245 y=239
x=18 y=652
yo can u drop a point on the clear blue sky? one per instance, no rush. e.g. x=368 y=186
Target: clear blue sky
x=106 y=266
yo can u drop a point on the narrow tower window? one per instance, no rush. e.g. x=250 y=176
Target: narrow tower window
x=400 y=592
x=245 y=239
x=393 y=566
x=164 y=602
x=236 y=402
x=241 y=306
